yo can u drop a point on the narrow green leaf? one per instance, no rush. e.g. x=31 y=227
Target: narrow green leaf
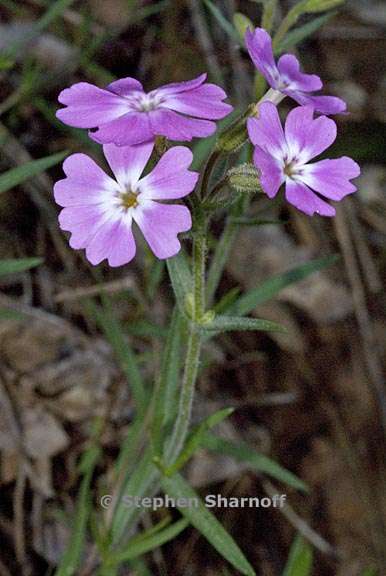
x=18 y=175
x=18 y=265
x=299 y=34
x=269 y=12
x=300 y=559
x=293 y=15
x=227 y=300
x=222 y=21
x=258 y=462
x=54 y=11
x=230 y=323
x=166 y=396
x=73 y=554
x=138 y=484
x=181 y=278
x=195 y=438
x=127 y=458
x=166 y=521
x=127 y=359
x=242 y=23
x=206 y=523
x=314 y=6
x=248 y=301
x=145 y=329
x=151 y=542
x=154 y=278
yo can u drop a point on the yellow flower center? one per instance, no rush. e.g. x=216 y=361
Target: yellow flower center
x=128 y=200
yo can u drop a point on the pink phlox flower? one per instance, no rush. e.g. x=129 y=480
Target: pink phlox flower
x=286 y=77
x=99 y=211
x=283 y=156
x=124 y=114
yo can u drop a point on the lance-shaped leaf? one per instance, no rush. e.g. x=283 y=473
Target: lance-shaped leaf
x=206 y=523
x=299 y=34
x=255 y=461
x=242 y=23
x=248 y=301
x=140 y=483
x=232 y=323
x=18 y=175
x=166 y=395
x=313 y=6
x=195 y=439
x=222 y=21
x=71 y=557
x=140 y=546
x=18 y=265
x=111 y=327
x=300 y=559
x=181 y=279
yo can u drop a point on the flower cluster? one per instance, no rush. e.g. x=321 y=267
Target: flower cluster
x=99 y=211
x=282 y=156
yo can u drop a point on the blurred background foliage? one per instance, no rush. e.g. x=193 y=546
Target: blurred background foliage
x=312 y=400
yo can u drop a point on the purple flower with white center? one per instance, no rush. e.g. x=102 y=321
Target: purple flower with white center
x=99 y=211
x=282 y=157
x=123 y=114
x=286 y=77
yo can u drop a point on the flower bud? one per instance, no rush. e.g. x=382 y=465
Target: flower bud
x=244 y=179
x=236 y=134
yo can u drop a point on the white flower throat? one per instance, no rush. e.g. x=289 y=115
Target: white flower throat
x=144 y=102
x=292 y=168
x=128 y=199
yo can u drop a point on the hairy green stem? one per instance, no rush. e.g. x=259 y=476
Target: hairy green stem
x=192 y=361
x=181 y=427
x=199 y=259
